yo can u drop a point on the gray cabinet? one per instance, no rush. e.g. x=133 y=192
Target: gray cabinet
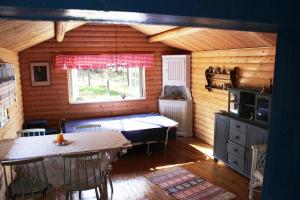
x=233 y=140
x=221 y=137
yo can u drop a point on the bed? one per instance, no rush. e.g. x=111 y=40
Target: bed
x=139 y=129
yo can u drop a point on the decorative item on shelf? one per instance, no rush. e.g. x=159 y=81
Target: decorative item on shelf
x=220 y=78
x=208 y=74
x=224 y=70
x=218 y=70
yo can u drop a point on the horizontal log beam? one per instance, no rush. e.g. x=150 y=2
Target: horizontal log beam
x=62 y=27
x=60 y=30
x=176 y=32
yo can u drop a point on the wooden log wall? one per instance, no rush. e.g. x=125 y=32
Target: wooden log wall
x=255 y=69
x=52 y=102
x=15 y=112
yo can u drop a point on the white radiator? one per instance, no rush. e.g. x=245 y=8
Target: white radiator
x=179 y=111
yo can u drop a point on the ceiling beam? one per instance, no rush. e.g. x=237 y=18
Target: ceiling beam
x=60 y=30
x=172 y=33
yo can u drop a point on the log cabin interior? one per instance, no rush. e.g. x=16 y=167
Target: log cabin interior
x=192 y=106
x=27 y=42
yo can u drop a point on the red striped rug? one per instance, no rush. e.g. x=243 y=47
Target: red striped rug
x=182 y=184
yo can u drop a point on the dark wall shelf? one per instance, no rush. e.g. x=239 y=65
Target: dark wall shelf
x=215 y=88
x=222 y=79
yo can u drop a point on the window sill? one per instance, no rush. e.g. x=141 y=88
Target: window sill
x=106 y=101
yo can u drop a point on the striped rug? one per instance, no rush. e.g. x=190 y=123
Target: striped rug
x=184 y=185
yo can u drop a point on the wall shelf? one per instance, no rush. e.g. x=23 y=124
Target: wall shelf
x=214 y=88
x=221 y=79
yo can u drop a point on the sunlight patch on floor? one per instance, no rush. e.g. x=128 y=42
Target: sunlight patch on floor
x=169 y=166
x=207 y=151
x=134 y=188
x=220 y=163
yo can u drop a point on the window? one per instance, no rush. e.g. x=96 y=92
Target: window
x=106 y=84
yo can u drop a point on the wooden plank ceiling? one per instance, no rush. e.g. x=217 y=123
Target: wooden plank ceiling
x=199 y=39
x=20 y=35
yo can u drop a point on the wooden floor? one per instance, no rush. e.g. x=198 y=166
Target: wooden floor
x=192 y=154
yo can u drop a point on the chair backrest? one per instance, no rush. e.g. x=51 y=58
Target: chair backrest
x=62 y=123
x=86 y=170
x=258 y=156
x=31 y=132
x=26 y=175
x=37 y=123
x=88 y=128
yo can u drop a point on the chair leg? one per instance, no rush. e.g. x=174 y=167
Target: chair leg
x=100 y=191
x=67 y=195
x=165 y=146
x=110 y=183
x=251 y=188
x=79 y=194
x=97 y=194
x=105 y=195
x=148 y=149
x=251 y=193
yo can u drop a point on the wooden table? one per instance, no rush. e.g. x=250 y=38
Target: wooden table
x=44 y=146
x=109 y=141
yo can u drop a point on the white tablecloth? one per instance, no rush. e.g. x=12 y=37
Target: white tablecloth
x=44 y=146
x=109 y=141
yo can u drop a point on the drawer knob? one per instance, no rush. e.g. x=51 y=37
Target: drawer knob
x=235 y=150
x=237 y=137
x=238 y=126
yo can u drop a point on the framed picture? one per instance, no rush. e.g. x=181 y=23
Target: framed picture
x=40 y=74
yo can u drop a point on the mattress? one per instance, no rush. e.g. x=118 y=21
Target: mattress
x=140 y=128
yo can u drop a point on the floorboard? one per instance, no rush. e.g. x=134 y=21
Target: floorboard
x=192 y=154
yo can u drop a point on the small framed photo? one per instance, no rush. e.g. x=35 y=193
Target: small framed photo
x=40 y=74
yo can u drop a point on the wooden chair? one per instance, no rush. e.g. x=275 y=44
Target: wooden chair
x=31 y=132
x=62 y=123
x=257 y=168
x=30 y=180
x=88 y=128
x=85 y=171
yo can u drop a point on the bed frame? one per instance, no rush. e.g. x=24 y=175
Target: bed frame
x=139 y=129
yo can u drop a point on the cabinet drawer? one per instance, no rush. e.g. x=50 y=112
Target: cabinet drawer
x=236 y=149
x=237 y=136
x=236 y=162
x=238 y=126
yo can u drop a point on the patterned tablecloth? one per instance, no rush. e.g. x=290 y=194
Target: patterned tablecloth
x=109 y=141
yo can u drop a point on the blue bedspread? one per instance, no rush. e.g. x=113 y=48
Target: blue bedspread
x=136 y=128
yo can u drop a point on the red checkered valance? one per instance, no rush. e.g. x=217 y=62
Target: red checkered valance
x=103 y=61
